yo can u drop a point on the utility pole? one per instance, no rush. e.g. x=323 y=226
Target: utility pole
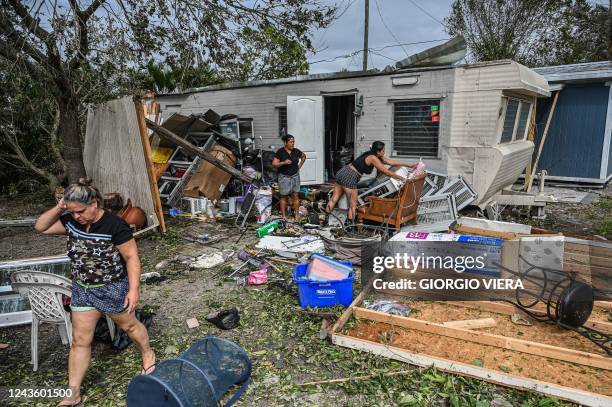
x=610 y=30
x=366 y=28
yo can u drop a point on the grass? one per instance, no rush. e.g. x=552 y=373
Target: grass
x=284 y=348
x=605 y=202
x=605 y=228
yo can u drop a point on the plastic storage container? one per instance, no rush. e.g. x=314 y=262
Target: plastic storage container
x=323 y=293
x=323 y=268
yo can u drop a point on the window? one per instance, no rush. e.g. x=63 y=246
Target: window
x=416 y=126
x=516 y=120
x=282 y=121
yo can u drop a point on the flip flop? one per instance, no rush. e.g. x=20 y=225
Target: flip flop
x=71 y=403
x=147 y=370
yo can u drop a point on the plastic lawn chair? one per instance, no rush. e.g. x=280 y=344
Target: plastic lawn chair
x=45 y=292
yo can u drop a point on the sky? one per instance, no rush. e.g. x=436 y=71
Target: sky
x=393 y=22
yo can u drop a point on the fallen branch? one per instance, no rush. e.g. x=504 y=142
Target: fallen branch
x=348 y=379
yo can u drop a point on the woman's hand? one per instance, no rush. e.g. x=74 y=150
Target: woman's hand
x=131 y=301
x=61 y=205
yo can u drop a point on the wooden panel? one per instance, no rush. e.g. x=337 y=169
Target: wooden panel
x=507 y=309
x=144 y=139
x=114 y=156
x=534 y=348
x=472 y=323
x=481 y=373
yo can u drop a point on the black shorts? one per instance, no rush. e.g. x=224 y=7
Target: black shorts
x=347 y=177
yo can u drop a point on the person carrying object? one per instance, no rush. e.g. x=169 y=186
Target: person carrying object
x=106 y=275
x=349 y=175
x=288 y=160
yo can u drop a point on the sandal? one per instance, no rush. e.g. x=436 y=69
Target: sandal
x=147 y=370
x=71 y=403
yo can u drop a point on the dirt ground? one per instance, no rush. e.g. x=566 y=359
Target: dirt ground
x=283 y=342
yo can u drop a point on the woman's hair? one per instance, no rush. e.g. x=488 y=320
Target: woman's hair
x=377 y=146
x=83 y=192
x=287 y=137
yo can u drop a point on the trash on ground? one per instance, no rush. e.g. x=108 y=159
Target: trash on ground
x=258 y=277
x=192 y=323
x=207 y=261
x=227 y=319
x=520 y=319
x=151 y=277
x=178 y=258
x=389 y=307
x=278 y=244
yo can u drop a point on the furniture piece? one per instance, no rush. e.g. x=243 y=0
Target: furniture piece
x=45 y=292
x=394 y=211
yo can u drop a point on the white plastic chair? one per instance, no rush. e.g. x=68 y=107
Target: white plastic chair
x=45 y=291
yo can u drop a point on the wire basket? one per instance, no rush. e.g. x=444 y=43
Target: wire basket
x=199 y=377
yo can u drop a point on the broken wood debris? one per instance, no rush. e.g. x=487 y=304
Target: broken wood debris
x=170 y=136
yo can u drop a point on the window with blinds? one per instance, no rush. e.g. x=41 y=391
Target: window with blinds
x=416 y=128
x=282 y=121
x=516 y=120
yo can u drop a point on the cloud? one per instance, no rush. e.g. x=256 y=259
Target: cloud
x=403 y=20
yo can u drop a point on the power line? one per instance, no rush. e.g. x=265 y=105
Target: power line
x=388 y=29
x=426 y=12
x=352 y=54
x=350 y=3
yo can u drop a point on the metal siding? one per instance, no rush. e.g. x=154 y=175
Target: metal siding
x=574 y=144
x=260 y=103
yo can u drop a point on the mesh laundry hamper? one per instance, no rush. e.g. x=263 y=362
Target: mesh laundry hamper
x=199 y=377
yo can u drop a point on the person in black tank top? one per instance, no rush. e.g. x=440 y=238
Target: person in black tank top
x=349 y=175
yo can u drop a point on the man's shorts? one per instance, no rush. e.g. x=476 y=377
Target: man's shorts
x=106 y=298
x=289 y=185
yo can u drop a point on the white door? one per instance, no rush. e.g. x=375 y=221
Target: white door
x=305 y=123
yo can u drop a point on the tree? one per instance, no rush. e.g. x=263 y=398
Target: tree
x=533 y=32
x=580 y=35
x=81 y=52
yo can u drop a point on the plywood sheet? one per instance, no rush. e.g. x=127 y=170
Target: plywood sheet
x=114 y=155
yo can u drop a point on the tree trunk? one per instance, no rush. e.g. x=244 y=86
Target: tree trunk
x=70 y=133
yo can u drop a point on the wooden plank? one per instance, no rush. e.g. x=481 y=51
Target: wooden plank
x=480 y=373
x=144 y=137
x=508 y=309
x=349 y=311
x=17 y=222
x=472 y=323
x=170 y=136
x=542 y=141
x=485 y=232
x=520 y=345
x=531 y=133
x=607 y=305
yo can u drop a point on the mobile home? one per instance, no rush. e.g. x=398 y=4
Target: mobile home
x=468 y=120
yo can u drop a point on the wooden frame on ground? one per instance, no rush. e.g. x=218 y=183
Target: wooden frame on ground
x=452 y=366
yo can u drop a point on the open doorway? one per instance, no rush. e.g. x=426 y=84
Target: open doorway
x=339 y=132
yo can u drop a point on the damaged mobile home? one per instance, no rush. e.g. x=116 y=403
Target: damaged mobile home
x=468 y=120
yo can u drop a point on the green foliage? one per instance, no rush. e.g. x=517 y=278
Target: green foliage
x=80 y=58
x=533 y=32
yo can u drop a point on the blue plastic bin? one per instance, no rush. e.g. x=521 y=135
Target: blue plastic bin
x=323 y=293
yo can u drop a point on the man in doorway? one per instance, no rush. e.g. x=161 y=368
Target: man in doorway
x=288 y=160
